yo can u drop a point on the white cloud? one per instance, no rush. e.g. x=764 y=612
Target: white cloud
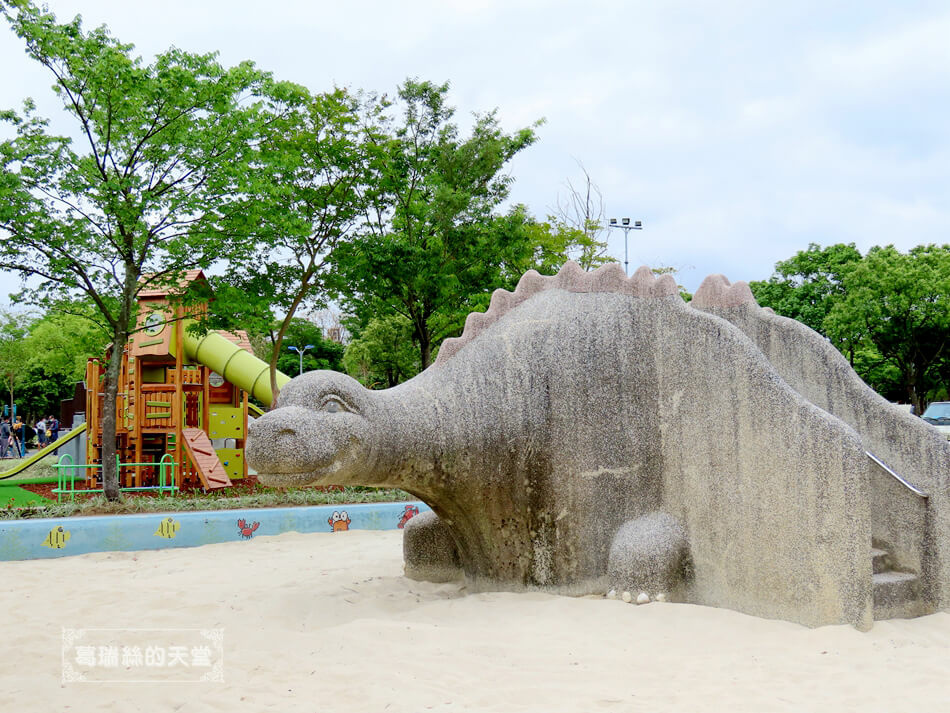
x=739 y=131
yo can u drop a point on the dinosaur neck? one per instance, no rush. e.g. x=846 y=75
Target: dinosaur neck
x=440 y=431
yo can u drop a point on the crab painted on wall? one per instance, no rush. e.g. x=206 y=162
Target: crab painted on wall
x=247 y=529
x=410 y=512
x=339 y=521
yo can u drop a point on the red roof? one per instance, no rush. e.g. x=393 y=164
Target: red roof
x=239 y=337
x=160 y=290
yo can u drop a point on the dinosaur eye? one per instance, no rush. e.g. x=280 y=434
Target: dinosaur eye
x=332 y=404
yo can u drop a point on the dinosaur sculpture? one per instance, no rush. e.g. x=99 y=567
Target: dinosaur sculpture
x=592 y=432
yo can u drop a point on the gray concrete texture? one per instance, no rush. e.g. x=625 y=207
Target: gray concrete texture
x=593 y=432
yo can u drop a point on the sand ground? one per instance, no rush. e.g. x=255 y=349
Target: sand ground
x=327 y=622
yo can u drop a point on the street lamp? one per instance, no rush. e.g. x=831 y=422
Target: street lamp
x=301 y=352
x=626 y=228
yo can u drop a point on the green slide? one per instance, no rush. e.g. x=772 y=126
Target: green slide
x=241 y=368
x=43 y=452
x=252 y=409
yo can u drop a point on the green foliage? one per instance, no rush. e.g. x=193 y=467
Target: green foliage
x=14 y=352
x=142 y=196
x=383 y=354
x=899 y=303
x=806 y=287
x=306 y=176
x=212 y=501
x=432 y=238
x=40 y=391
x=888 y=312
x=61 y=341
x=325 y=354
x=43 y=357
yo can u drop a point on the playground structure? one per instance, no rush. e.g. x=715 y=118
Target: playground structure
x=180 y=395
x=182 y=405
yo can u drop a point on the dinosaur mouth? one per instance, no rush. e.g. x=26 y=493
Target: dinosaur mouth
x=285 y=480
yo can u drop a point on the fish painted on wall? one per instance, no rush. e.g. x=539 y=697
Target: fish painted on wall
x=57 y=538
x=168 y=528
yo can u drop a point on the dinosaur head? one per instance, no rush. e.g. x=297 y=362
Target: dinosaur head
x=318 y=433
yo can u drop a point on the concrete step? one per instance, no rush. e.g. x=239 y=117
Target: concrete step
x=897 y=595
x=879 y=560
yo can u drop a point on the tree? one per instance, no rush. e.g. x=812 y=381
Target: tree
x=806 y=287
x=14 y=353
x=62 y=340
x=581 y=214
x=431 y=238
x=58 y=345
x=40 y=390
x=307 y=174
x=888 y=312
x=137 y=199
x=382 y=355
x=901 y=303
x=323 y=354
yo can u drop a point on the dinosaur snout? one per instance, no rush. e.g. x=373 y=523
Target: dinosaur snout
x=283 y=441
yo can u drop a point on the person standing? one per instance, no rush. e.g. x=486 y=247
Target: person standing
x=5 y=437
x=52 y=426
x=19 y=433
x=41 y=432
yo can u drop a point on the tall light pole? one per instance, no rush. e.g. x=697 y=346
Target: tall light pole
x=301 y=352
x=625 y=226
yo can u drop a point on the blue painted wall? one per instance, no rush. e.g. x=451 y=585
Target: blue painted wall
x=45 y=538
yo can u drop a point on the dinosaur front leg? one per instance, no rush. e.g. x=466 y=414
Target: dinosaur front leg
x=649 y=554
x=429 y=550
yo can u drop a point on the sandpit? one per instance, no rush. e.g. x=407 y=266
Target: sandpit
x=327 y=622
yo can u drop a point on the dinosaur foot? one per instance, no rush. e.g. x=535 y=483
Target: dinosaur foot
x=429 y=550
x=649 y=555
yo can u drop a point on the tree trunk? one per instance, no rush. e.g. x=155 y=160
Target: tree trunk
x=110 y=474
x=302 y=291
x=275 y=392
x=425 y=351
x=120 y=336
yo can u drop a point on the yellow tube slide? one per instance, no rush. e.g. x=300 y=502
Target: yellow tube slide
x=241 y=368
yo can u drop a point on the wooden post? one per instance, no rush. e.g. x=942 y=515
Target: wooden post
x=92 y=419
x=205 y=399
x=243 y=441
x=138 y=418
x=178 y=404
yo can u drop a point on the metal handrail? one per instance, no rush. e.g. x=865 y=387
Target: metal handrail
x=890 y=471
x=166 y=472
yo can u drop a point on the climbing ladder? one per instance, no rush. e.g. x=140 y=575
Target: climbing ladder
x=206 y=462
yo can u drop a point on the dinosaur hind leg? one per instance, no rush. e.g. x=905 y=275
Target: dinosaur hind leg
x=649 y=554
x=429 y=550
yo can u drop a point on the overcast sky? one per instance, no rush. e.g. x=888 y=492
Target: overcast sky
x=738 y=132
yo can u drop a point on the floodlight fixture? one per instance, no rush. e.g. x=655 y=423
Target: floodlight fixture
x=626 y=228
